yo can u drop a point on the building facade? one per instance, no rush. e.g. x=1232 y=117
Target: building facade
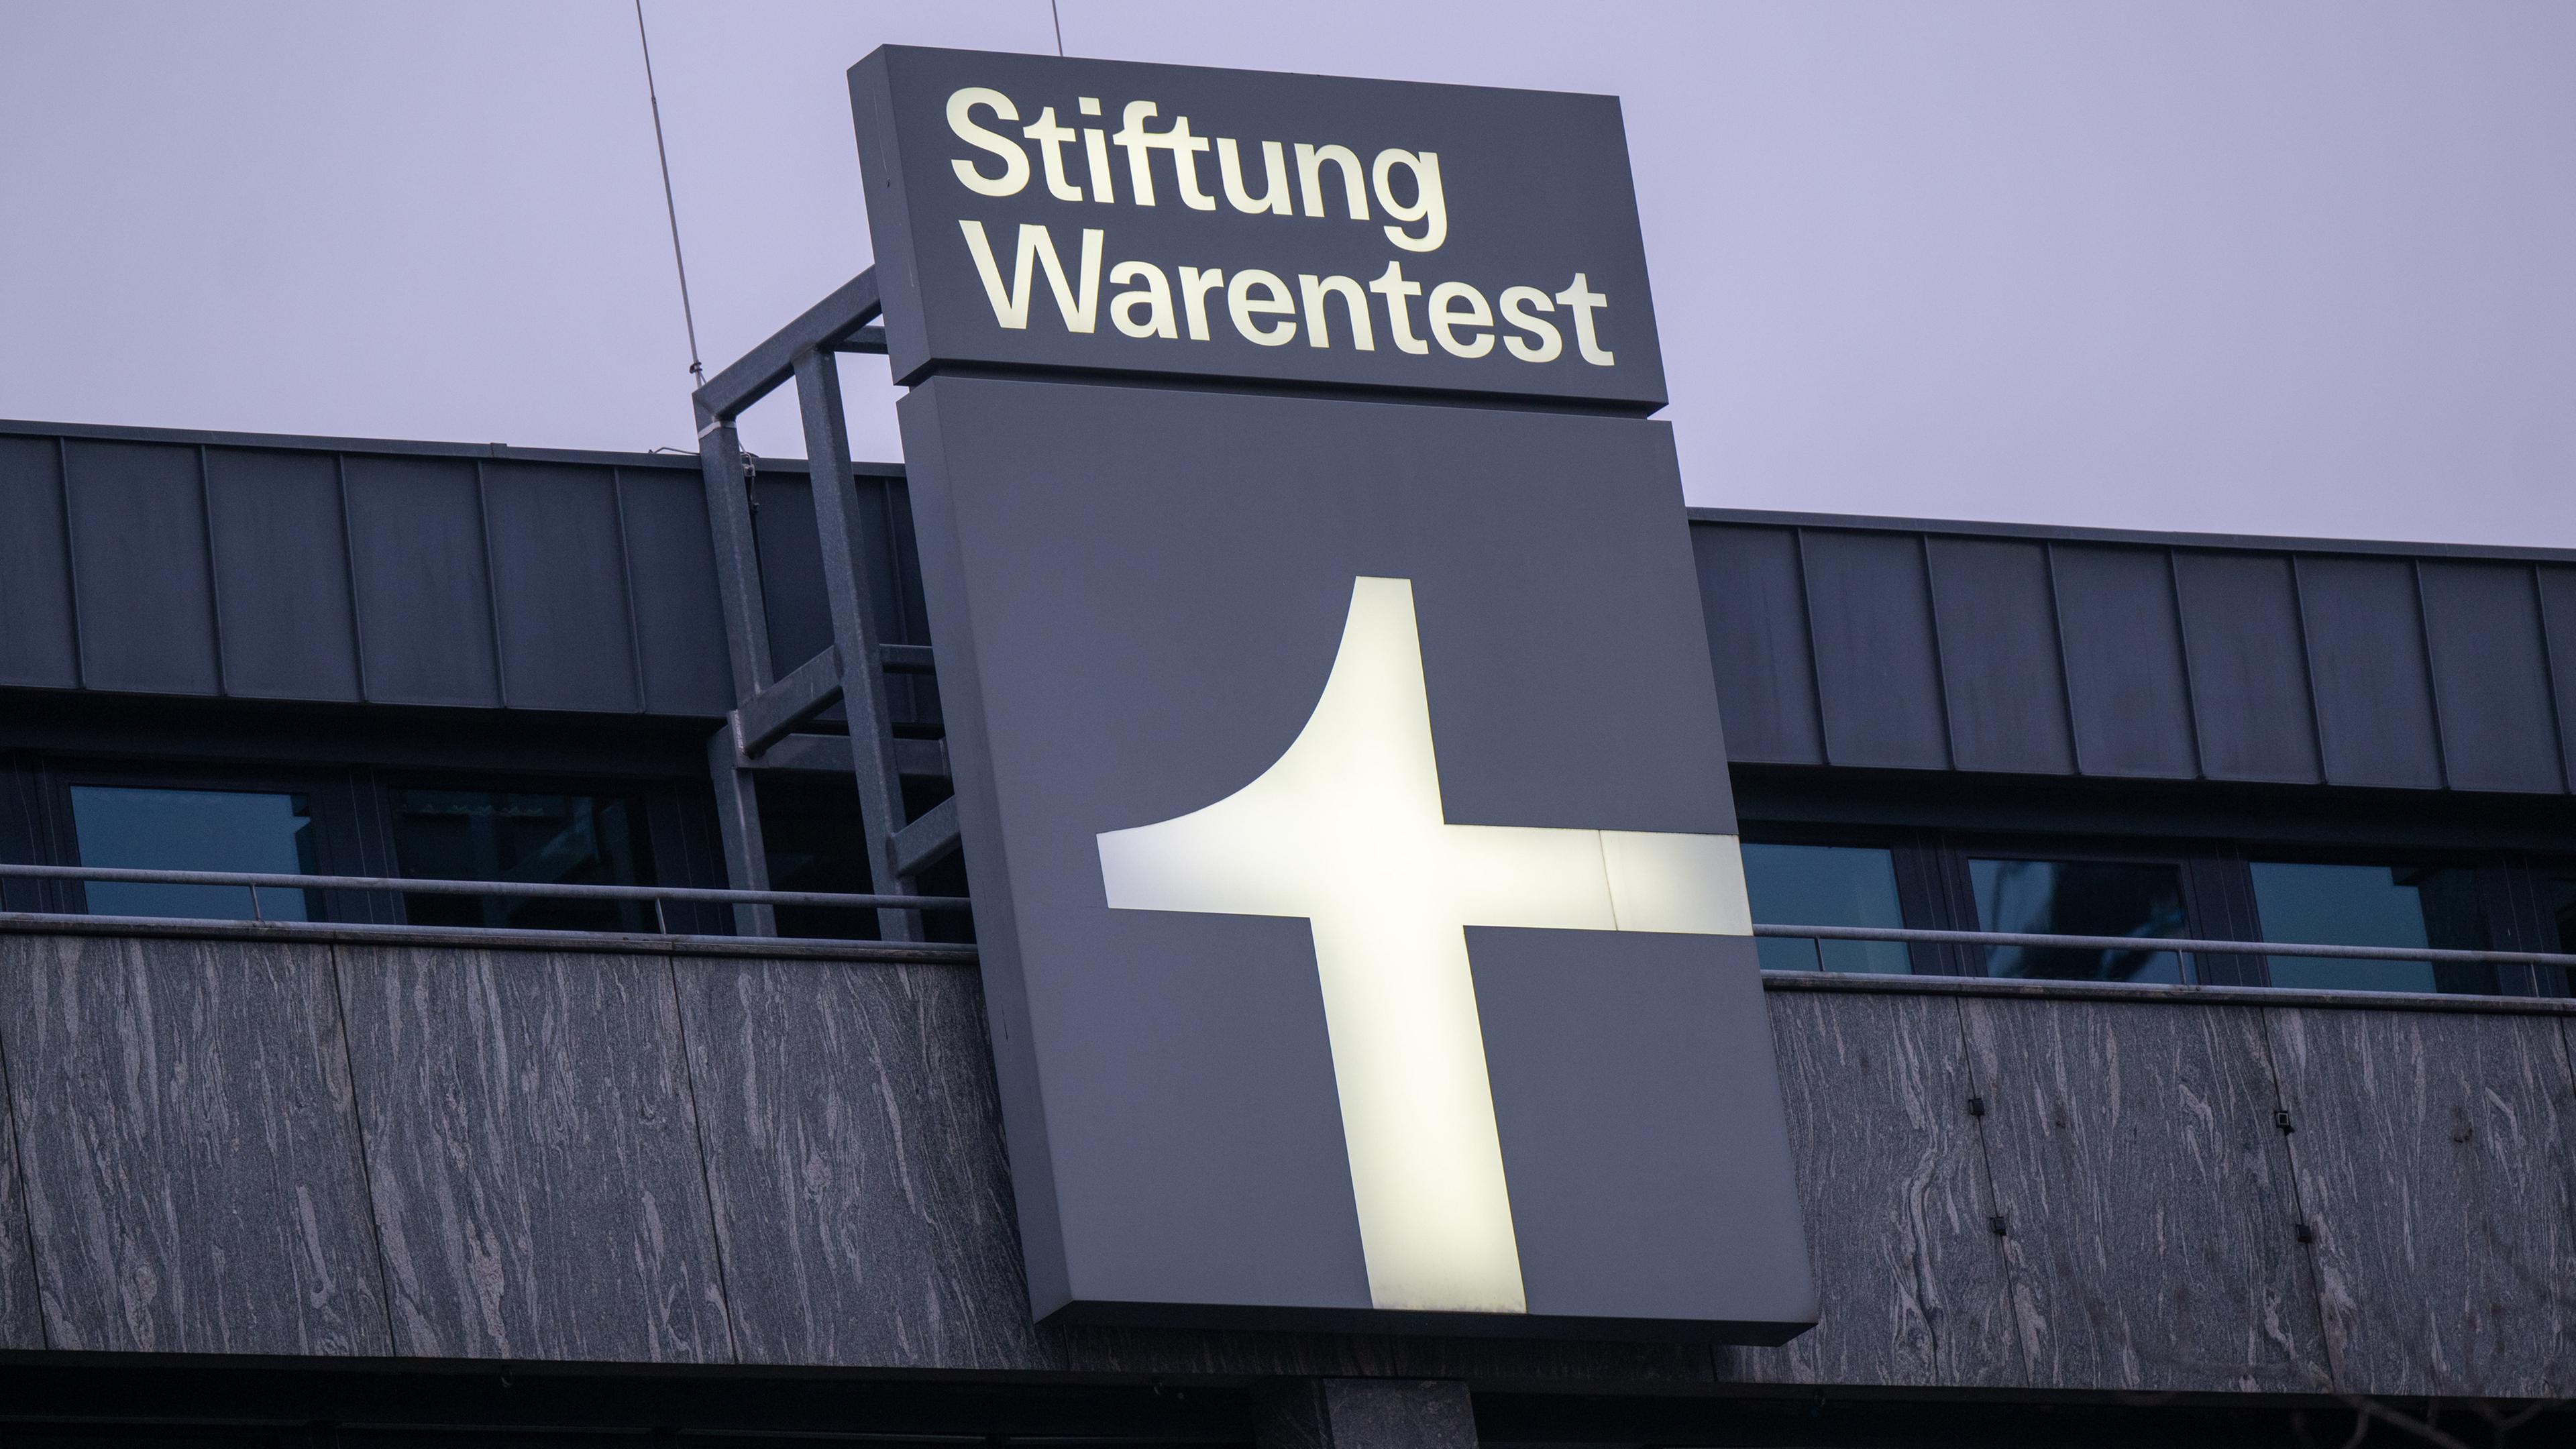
x=366 y=1165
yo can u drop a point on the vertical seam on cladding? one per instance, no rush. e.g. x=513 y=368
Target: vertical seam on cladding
x=71 y=559
x=214 y=573
x=626 y=579
x=2065 y=668
x=1807 y=626
x=706 y=1169
x=491 y=588
x=349 y=571
x=1940 y=661
x=2298 y=1195
x=2308 y=666
x=2182 y=643
x=2549 y=669
x=2432 y=674
x=1985 y=1151
x=366 y=1164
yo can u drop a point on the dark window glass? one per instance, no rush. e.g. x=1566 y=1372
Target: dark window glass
x=2373 y=905
x=240 y=830
x=2080 y=898
x=1825 y=885
x=511 y=836
x=810 y=830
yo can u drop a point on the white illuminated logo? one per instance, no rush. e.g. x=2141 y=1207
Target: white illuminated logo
x=1346 y=830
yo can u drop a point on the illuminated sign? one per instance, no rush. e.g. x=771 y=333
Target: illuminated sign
x=1342 y=787
x=1346 y=830
x=1162 y=219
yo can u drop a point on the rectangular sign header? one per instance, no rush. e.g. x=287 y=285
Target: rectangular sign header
x=1035 y=212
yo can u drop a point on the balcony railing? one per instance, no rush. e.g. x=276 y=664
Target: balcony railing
x=658 y=896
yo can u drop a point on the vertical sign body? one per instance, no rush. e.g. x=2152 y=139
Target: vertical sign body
x=1343 y=791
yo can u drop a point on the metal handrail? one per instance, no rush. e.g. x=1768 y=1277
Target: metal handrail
x=255 y=881
x=2168 y=943
x=411 y=885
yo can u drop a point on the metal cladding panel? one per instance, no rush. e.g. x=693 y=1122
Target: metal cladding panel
x=2558 y=620
x=138 y=530
x=282 y=575
x=2000 y=668
x=1522 y=204
x=1757 y=643
x=791 y=570
x=913 y=698
x=424 y=590
x=1878 y=666
x=2249 y=671
x=2374 y=688
x=1138 y=595
x=2126 y=682
x=672 y=566
x=37 y=644
x=791 y=581
x=2491 y=677
x=567 y=637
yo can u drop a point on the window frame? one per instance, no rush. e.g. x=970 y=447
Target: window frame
x=678 y=851
x=2200 y=902
x=1935 y=891
x=351 y=806
x=331 y=803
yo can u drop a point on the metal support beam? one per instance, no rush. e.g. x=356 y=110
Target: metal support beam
x=746 y=626
x=906 y=658
x=830 y=754
x=927 y=841
x=824 y=324
x=728 y=489
x=847 y=586
x=870 y=338
x=809 y=689
x=738 y=821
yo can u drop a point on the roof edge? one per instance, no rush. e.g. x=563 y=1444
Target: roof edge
x=2145 y=538
x=396 y=447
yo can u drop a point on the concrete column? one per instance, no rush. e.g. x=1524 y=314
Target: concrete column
x=1365 y=1414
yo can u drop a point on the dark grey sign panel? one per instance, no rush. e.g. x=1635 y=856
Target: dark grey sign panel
x=1030 y=211
x=1354 y=863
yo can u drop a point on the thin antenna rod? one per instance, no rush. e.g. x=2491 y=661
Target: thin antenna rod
x=1052 y=14
x=671 y=208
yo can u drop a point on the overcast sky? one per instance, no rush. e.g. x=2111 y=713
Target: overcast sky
x=2277 y=268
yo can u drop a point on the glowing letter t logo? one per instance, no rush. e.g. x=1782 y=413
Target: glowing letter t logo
x=1346 y=829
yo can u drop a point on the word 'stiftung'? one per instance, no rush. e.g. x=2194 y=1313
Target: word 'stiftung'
x=1262 y=306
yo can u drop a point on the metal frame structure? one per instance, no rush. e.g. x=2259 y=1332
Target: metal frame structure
x=763 y=729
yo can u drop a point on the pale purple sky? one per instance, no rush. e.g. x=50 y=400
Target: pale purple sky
x=2285 y=267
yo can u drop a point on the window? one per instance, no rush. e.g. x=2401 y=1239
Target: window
x=2558 y=898
x=513 y=836
x=2373 y=905
x=2080 y=898
x=147 y=829
x=1825 y=885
